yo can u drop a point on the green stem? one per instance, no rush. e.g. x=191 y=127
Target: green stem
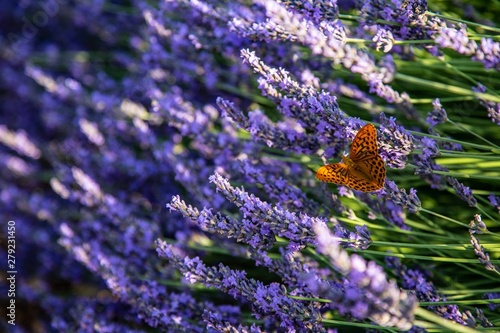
x=469 y=23
x=472 y=133
x=446 y=87
x=444 y=217
x=432 y=317
x=440 y=138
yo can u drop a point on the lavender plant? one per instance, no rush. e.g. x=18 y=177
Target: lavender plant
x=158 y=163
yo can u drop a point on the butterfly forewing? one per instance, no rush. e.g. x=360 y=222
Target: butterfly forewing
x=364 y=145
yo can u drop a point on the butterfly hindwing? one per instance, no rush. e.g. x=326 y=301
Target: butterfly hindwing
x=333 y=173
x=362 y=184
x=373 y=170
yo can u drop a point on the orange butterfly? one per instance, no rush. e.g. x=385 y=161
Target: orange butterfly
x=363 y=169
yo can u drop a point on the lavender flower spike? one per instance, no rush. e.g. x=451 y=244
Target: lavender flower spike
x=385 y=303
x=477 y=226
x=270 y=299
x=265 y=220
x=278 y=220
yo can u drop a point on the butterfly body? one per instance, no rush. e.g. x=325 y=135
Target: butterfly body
x=363 y=169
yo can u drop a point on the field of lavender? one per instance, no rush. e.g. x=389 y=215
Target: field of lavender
x=158 y=165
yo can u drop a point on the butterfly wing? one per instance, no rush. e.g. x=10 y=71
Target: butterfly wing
x=370 y=171
x=362 y=184
x=363 y=170
x=364 y=145
x=333 y=173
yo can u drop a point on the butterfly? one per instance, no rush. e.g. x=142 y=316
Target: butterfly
x=363 y=169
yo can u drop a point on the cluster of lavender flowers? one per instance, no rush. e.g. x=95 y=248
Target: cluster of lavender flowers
x=158 y=164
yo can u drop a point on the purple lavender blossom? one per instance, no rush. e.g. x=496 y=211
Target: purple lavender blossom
x=322 y=11
x=495 y=201
x=395 y=143
x=425 y=164
x=357 y=240
x=214 y=321
x=483 y=257
x=341 y=88
x=401 y=198
x=20 y=142
x=493 y=108
x=425 y=167
x=482 y=319
x=271 y=299
x=409 y=15
x=456 y=39
x=278 y=221
x=429 y=148
x=437 y=115
x=384 y=40
x=326 y=43
x=477 y=226
x=417 y=280
x=464 y=192
x=333 y=200
x=367 y=293
x=282 y=135
x=488 y=52
x=280 y=188
x=414 y=24
x=243 y=231
x=391 y=211
x=492 y=306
